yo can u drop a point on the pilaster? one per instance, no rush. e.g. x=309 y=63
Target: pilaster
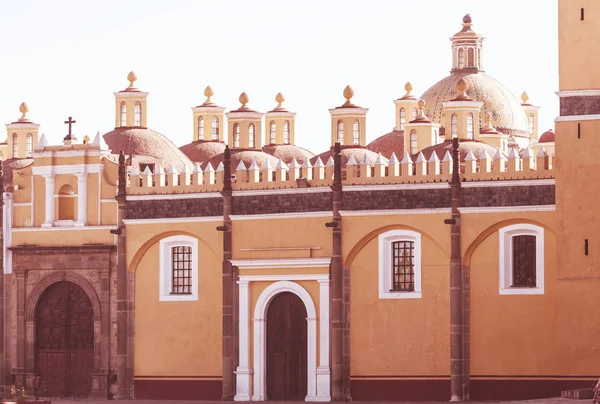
x=49 y=222
x=81 y=199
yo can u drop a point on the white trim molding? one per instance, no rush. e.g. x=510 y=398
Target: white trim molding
x=283 y=191
x=318 y=381
x=166 y=268
x=392 y=187
x=506 y=259
x=174 y=220
x=578 y=93
x=574 y=118
x=282 y=263
x=386 y=268
x=295 y=215
x=507 y=183
x=162 y=197
x=386 y=212
x=508 y=209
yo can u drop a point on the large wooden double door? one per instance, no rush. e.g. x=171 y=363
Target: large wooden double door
x=286 y=348
x=65 y=340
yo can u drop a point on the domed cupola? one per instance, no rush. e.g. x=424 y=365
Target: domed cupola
x=466 y=49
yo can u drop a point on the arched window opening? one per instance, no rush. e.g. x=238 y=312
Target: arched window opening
x=454 y=126
x=286 y=132
x=414 y=113
x=471 y=57
x=470 y=126
x=272 y=132
x=200 y=128
x=15 y=145
x=531 y=124
x=66 y=203
x=251 y=135
x=413 y=142
x=340 y=132
x=215 y=128
x=123 y=115
x=29 y=144
x=402 y=118
x=356 y=132
x=236 y=135
x=137 y=112
x=461 y=58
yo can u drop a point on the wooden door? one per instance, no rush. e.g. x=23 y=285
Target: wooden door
x=286 y=365
x=65 y=340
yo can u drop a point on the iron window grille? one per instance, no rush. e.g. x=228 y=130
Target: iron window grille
x=524 y=263
x=181 y=260
x=403 y=266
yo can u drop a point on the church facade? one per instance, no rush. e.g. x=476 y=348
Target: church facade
x=452 y=258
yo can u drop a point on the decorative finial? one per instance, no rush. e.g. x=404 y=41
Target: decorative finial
x=208 y=92
x=86 y=139
x=487 y=122
x=467 y=19
x=244 y=100
x=421 y=110
x=132 y=79
x=462 y=86
x=348 y=94
x=279 y=98
x=408 y=87
x=524 y=97
x=23 y=109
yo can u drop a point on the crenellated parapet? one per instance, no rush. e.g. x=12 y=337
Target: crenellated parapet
x=381 y=171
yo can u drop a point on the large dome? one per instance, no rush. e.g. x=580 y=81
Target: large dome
x=508 y=115
x=146 y=142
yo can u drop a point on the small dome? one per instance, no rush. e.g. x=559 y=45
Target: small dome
x=464 y=148
x=201 y=151
x=358 y=153
x=547 y=137
x=247 y=156
x=146 y=142
x=389 y=143
x=287 y=152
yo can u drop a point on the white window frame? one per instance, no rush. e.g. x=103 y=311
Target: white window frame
x=166 y=268
x=385 y=264
x=506 y=262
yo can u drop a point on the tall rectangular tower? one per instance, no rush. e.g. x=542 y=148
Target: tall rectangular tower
x=578 y=140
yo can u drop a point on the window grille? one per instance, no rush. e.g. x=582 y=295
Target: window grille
x=182 y=270
x=524 y=261
x=403 y=270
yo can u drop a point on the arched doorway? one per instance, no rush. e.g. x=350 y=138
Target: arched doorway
x=286 y=359
x=64 y=349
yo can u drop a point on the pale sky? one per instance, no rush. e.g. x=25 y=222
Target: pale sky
x=66 y=57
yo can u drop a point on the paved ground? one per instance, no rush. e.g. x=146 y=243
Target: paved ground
x=539 y=401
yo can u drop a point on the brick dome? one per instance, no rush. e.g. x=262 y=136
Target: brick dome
x=201 y=151
x=547 y=137
x=146 y=142
x=389 y=143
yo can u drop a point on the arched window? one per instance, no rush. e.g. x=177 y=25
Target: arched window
x=236 y=135
x=29 y=144
x=402 y=118
x=272 y=132
x=399 y=264
x=200 y=128
x=123 y=114
x=471 y=57
x=356 y=132
x=286 y=132
x=66 y=203
x=461 y=58
x=470 y=126
x=531 y=124
x=215 y=128
x=414 y=113
x=251 y=135
x=15 y=145
x=413 y=142
x=137 y=112
x=454 y=126
x=340 y=132
x=521 y=259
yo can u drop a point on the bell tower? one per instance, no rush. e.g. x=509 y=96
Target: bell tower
x=22 y=136
x=467 y=49
x=130 y=106
x=348 y=123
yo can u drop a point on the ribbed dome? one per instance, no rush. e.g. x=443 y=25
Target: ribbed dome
x=146 y=142
x=358 y=153
x=464 y=148
x=287 y=152
x=508 y=115
x=389 y=143
x=547 y=137
x=247 y=156
x=201 y=151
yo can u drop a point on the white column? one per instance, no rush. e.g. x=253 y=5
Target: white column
x=49 y=222
x=81 y=199
x=243 y=371
x=323 y=370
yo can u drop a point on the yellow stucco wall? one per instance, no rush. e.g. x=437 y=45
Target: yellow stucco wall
x=168 y=334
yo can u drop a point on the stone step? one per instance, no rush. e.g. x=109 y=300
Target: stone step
x=578 y=394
